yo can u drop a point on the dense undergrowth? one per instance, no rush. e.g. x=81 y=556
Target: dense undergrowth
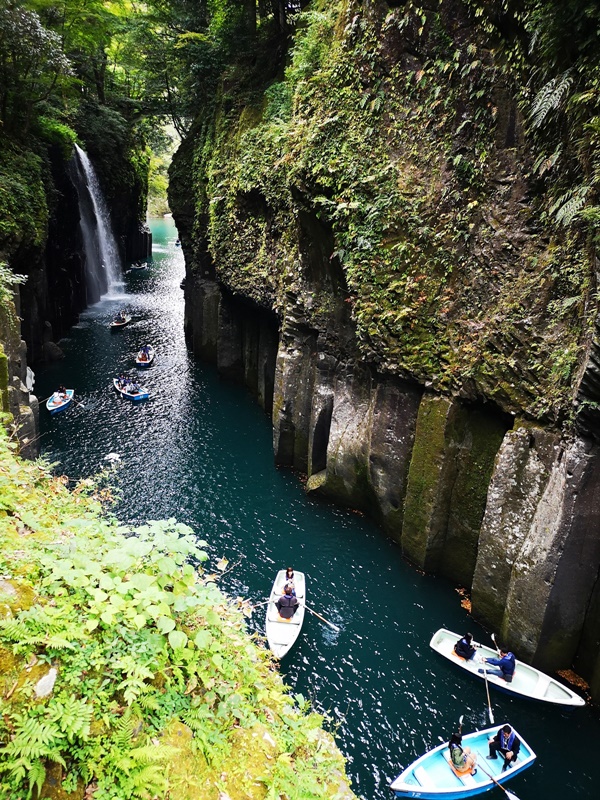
x=403 y=133
x=159 y=690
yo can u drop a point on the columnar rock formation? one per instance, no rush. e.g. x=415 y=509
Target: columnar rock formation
x=428 y=337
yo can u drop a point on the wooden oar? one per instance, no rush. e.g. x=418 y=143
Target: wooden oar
x=495 y=643
x=510 y=795
x=487 y=690
x=326 y=621
x=262 y=603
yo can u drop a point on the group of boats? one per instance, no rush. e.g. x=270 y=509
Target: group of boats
x=126 y=386
x=433 y=775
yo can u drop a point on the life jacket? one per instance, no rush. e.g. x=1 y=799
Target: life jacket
x=506 y=744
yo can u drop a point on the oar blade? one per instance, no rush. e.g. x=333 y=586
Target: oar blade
x=491 y=715
x=510 y=795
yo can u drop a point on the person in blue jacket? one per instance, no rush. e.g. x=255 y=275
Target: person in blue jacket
x=506 y=743
x=505 y=664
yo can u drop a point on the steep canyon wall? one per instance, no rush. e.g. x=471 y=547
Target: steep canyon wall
x=367 y=250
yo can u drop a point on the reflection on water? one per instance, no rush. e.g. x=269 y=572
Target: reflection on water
x=200 y=450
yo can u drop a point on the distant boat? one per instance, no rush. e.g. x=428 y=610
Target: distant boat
x=145 y=360
x=136 y=394
x=282 y=633
x=120 y=322
x=139 y=266
x=527 y=681
x=431 y=776
x=59 y=401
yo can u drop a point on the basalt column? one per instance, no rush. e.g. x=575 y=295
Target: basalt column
x=539 y=551
x=451 y=465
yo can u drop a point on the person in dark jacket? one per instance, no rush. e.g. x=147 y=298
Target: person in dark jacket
x=505 y=664
x=507 y=743
x=287 y=604
x=464 y=647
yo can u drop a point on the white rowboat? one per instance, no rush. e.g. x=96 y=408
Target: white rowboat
x=140 y=361
x=527 y=680
x=282 y=633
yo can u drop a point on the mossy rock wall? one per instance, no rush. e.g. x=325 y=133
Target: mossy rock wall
x=451 y=466
x=378 y=196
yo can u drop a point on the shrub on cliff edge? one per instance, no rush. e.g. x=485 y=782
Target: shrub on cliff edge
x=125 y=672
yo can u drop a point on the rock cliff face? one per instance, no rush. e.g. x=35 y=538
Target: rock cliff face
x=16 y=399
x=370 y=234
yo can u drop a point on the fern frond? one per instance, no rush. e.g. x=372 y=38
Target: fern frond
x=550 y=97
x=37 y=776
x=569 y=204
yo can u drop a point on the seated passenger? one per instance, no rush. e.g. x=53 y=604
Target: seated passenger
x=461 y=758
x=464 y=647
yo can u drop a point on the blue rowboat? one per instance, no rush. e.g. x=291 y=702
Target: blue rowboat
x=135 y=394
x=431 y=777
x=60 y=402
x=527 y=680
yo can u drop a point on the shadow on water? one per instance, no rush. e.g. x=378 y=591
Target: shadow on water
x=201 y=451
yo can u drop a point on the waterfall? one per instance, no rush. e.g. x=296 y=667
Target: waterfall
x=102 y=262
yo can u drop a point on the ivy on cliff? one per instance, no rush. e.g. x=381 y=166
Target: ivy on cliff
x=398 y=129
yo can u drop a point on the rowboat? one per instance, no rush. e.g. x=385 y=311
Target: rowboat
x=141 y=360
x=59 y=401
x=282 y=633
x=139 y=265
x=432 y=777
x=527 y=680
x=116 y=324
x=135 y=394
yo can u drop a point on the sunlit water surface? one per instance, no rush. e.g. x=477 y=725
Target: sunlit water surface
x=200 y=450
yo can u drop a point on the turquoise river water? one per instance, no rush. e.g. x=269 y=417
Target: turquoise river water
x=200 y=450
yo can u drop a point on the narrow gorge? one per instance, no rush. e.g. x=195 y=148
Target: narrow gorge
x=369 y=250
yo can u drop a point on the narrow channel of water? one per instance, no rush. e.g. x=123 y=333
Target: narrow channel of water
x=200 y=450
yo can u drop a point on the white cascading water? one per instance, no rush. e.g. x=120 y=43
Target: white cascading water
x=102 y=261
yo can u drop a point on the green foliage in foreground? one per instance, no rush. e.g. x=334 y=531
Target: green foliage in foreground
x=159 y=689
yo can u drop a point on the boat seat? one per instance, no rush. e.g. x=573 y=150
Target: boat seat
x=421 y=775
x=274 y=616
x=466 y=778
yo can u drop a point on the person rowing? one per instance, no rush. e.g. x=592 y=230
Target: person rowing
x=287 y=603
x=506 y=665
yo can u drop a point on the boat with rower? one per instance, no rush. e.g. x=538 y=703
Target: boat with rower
x=145 y=356
x=120 y=322
x=527 y=680
x=282 y=633
x=60 y=401
x=432 y=776
x=131 y=390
